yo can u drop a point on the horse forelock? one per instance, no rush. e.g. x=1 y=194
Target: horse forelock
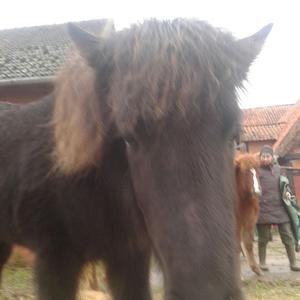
x=246 y=162
x=175 y=67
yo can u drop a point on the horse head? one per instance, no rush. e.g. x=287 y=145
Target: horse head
x=167 y=90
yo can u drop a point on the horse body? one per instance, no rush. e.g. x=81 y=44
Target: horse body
x=131 y=154
x=247 y=168
x=64 y=219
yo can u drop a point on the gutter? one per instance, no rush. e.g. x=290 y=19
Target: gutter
x=26 y=81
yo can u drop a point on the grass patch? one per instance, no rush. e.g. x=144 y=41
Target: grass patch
x=276 y=290
x=18 y=284
x=255 y=290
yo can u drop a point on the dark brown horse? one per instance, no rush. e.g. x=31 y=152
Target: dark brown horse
x=131 y=154
x=248 y=187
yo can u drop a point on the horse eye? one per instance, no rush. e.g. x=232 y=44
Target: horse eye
x=130 y=140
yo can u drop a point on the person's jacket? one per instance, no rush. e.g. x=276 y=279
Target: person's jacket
x=271 y=210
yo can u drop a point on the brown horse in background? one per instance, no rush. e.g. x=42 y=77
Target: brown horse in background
x=248 y=189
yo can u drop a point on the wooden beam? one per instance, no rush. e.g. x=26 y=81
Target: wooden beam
x=292 y=156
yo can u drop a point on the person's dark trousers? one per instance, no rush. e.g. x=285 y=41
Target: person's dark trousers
x=263 y=232
x=288 y=240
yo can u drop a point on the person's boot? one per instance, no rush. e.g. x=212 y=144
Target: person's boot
x=262 y=251
x=292 y=258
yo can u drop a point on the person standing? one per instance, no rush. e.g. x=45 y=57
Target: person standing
x=272 y=211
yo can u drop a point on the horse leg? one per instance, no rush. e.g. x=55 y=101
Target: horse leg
x=5 y=251
x=248 y=245
x=57 y=275
x=239 y=230
x=128 y=275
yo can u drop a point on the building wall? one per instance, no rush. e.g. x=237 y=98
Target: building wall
x=254 y=147
x=296 y=186
x=24 y=94
x=295 y=172
x=296 y=164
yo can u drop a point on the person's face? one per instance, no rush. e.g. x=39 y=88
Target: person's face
x=266 y=159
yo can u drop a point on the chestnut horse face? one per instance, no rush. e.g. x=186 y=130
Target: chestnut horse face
x=256 y=188
x=168 y=89
x=247 y=175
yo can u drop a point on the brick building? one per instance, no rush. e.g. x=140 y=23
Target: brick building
x=279 y=127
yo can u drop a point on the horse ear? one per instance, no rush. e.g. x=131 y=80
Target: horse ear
x=252 y=45
x=87 y=43
x=83 y=40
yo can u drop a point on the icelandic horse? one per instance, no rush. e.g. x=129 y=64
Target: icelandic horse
x=131 y=155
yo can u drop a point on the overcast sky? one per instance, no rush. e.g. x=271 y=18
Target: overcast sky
x=274 y=77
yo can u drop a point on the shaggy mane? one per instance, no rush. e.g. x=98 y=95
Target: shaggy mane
x=247 y=161
x=76 y=118
x=170 y=67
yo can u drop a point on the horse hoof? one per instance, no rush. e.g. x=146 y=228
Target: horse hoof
x=258 y=271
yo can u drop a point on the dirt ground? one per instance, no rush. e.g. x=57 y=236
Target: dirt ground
x=277 y=284
x=277 y=262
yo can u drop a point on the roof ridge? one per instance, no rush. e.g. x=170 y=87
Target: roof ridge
x=48 y=25
x=265 y=124
x=268 y=106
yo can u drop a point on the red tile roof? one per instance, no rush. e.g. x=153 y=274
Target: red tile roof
x=290 y=135
x=264 y=123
